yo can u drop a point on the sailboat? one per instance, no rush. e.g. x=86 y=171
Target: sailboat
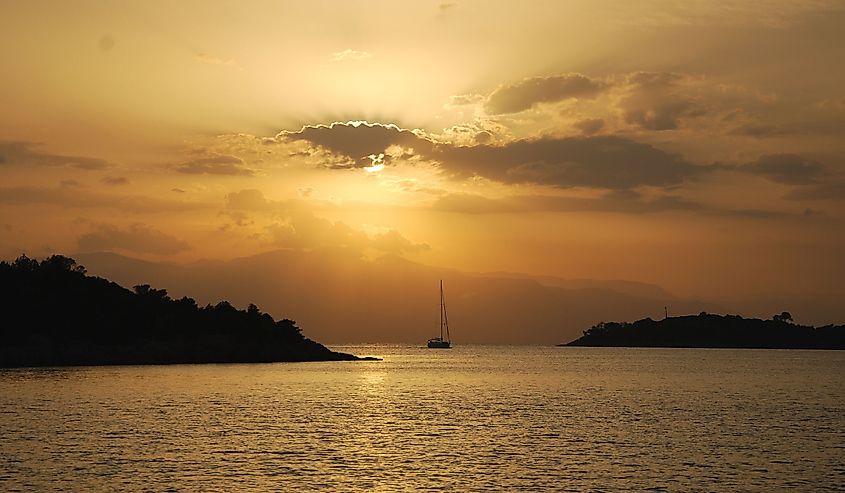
x=440 y=342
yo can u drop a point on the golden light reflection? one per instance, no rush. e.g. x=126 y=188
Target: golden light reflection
x=372 y=381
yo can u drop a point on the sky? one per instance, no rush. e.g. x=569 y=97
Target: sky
x=696 y=145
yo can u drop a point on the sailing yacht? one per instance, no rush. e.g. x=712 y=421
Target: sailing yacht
x=440 y=342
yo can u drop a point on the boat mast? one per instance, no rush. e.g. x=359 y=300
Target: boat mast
x=441 y=309
x=444 y=320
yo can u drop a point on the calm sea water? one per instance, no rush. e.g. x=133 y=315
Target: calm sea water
x=473 y=418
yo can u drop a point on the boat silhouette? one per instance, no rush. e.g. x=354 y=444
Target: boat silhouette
x=441 y=342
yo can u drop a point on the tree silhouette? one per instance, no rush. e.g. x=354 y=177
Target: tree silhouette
x=55 y=314
x=718 y=331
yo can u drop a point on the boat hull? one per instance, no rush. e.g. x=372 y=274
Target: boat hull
x=438 y=344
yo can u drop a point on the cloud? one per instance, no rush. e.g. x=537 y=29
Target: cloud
x=393 y=242
x=618 y=201
x=26 y=153
x=356 y=141
x=597 y=162
x=654 y=80
x=215 y=164
x=663 y=116
x=589 y=126
x=137 y=238
x=825 y=191
x=628 y=102
x=305 y=230
x=249 y=200
x=768 y=14
x=444 y=8
x=828 y=126
x=623 y=201
x=748 y=213
x=478 y=132
x=115 y=180
x=73 y=197
x=659 y=100
x=759 y=130
x=529 y=92
x=465 y=99
x=296 y=226
x=789 y=169
x=350 y=55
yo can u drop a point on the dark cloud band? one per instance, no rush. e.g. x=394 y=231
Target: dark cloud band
x=605 y=162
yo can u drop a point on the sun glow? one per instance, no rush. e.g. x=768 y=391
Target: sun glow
x=374 y=168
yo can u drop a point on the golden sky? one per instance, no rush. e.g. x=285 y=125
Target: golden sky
x=698 y=145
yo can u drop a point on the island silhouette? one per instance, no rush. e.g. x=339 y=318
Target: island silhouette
x=707 y=330
x=53 y=314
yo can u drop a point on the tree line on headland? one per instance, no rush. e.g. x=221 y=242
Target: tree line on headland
x=53 y=314
x=707 y=330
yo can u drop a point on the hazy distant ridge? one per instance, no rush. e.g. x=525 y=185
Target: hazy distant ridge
x=342 y=298
x=632 y=288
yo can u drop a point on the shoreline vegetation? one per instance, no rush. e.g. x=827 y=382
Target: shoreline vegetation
x=707 y=330
x=53 y=314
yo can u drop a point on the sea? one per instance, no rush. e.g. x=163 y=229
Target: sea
x=472 y=418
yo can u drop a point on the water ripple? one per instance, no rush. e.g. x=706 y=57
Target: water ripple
x=468 y=419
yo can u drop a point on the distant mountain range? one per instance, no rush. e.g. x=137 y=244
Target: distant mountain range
x=633 y=288
x=337 y=297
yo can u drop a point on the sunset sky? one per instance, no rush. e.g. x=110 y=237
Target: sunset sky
x=698 y=145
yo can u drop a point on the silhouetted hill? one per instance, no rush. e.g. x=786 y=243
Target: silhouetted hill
x=714 y=331
x=53 y=314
